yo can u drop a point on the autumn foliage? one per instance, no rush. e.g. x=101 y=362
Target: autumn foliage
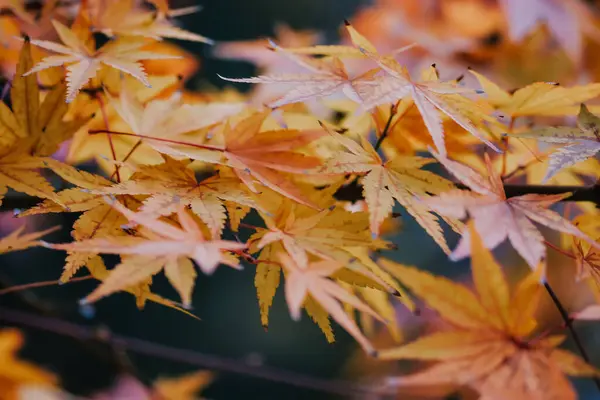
x=332 y=139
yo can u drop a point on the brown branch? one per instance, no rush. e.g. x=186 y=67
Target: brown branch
x=353 y=191
x=386 y=129
x=342 y=388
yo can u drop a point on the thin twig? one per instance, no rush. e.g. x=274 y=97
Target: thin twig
x=559 y=250
x=386 y=129
x=342 y=388
x=569 y=324
x=171 y=141
x=27 y=286
x=110 y=142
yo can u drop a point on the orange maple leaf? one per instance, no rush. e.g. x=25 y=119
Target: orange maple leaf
x=490 y=344
x=266 y=156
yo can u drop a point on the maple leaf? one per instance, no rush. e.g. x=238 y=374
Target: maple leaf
x=173 y=183
x=164 y=246
x=497 y=217
x=16 y=241
x=151 y=112
x=312 y=280
x=31 y=131
x=265 y=156
x=490 y=344
x=399 y=179
x=82 y=63
x=170 y=117
x=304 y=233
x=580 y=143
x=567 y=20
x=429 y=96
x=584 y=256
x=15 y=373
x=539 y=98
x=141 y=290
x=124 y=18
x=327 y=77
x=98 y=219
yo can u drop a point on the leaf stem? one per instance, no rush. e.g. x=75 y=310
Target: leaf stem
x=110 y=142
x=569 y=324
x=129 y=154
x=199 y=146
x=353 y=191
x=558 y=249
x=505 y=142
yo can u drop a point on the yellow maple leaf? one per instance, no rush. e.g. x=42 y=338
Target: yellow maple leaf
x=161 y=246
x=306 y=234
x=16 y=240
x=399 y=179
x=173 y=183
x=539 y=98
x=31 y=131
x=82 y=64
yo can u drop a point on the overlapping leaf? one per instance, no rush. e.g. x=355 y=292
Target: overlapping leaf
x=579 y=143
x=265 y=156
x=400 y=179
x=161 y=245
x=497 y=217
